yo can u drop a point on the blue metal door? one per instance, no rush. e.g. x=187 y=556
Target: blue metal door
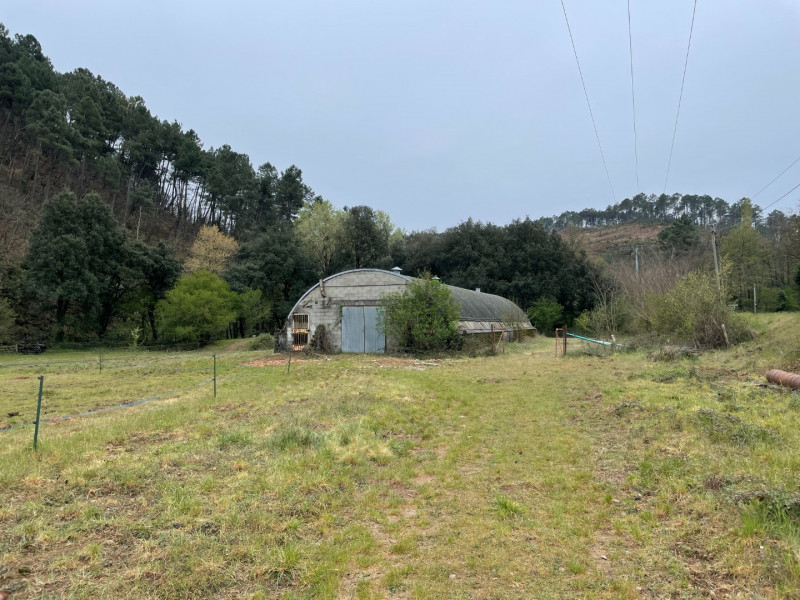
x=360 y=332
x=352 y=329
x=374 y=340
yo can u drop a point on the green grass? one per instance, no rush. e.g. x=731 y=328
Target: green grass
x=515 y=476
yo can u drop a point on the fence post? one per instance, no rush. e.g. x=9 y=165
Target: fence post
x=38 y=413
x=215 y=376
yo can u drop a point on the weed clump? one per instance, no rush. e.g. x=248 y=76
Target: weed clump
x=774 y=510
x=507 y=508
x=233 y=438
x=672 y=353
x=354 y=445
x=294 y=436
x=625 y=408
x=722 y=428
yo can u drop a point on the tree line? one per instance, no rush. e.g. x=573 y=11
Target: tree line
x=115 y=225
x=702 y=210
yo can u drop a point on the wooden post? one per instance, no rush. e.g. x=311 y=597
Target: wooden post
x=38 y=414
x=561 y=340
x=714 y=248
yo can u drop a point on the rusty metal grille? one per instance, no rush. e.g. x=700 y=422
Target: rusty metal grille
x=300 y=331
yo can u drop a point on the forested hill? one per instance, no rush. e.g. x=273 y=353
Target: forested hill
x=78 y=131
x=661 y=209
x=117 y=225
x=111 y=216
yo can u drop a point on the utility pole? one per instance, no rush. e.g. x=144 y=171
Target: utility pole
x=714 y=248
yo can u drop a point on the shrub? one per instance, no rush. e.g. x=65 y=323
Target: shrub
x=264 y=341
x=545 y=314
x=320 y=342
x=695 y=310
x=607 y=318
x=422 y=318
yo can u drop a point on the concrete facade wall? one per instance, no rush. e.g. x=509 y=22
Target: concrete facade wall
x=323 y=303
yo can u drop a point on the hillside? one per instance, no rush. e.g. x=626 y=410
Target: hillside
x=612 y=239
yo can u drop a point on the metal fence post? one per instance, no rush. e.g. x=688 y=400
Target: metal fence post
x=215 y=376
x=38 y=413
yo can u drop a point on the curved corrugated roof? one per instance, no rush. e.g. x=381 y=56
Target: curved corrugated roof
x=474 y=306
x=478 y=306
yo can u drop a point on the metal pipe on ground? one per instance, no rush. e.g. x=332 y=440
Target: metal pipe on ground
x=785 y=378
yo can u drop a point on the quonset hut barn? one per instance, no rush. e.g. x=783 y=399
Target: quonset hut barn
x=347 y=304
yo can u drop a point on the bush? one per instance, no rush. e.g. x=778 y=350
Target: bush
x=264 y=341
x=422 y=318
x=607 y=318
x=695 y=311
x=320 y=342
x=545 y=314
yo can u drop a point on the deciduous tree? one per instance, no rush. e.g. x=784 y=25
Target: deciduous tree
x=198 y=309
x=211 y=250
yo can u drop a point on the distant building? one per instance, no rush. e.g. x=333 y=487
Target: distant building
x=347 y=304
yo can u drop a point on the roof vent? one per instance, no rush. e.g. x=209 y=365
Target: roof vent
x=436 y=278
x=477 y=289
x=397 y=269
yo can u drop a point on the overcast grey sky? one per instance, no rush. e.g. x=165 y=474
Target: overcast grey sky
x=439 y=111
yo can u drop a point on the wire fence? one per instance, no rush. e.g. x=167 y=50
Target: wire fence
x=156 y=366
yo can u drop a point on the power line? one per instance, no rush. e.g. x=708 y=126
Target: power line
x=680 y=98
x=796 y=160
x=585 y=93
x=633 y=99
x=782 y=197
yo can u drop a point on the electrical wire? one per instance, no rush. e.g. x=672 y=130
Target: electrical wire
x=796 y=160
x=585 y=93
x=781 y=198
x=680 y=97
x=633 y=99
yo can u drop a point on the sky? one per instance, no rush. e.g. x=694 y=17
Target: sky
x=439 y=111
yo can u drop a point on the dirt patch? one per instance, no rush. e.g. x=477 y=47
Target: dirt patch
x=402 y=490
x=423 y=479
x=518 y=486
x=412 y=364
x=273 y=362
x=349 y=583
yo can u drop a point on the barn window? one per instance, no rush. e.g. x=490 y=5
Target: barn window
x=299 y=331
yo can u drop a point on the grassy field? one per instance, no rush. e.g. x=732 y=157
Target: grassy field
x=514 y=476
